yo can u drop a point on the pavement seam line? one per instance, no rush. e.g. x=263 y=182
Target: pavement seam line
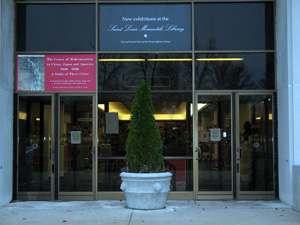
x=130 y=217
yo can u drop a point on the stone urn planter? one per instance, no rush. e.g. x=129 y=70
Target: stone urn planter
x=145 y=182
x=146 y=190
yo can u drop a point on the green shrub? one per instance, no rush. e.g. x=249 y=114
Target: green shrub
x=144 y=144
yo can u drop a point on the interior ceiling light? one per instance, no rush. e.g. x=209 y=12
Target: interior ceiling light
x=270 y=116
x=200 y=106
x=122 y=60
x=159 y=60
x=220 y=59
x=123 y=116
x=101 y=106
x=22 y=115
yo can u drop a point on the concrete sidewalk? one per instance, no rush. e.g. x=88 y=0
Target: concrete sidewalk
x=176 y=212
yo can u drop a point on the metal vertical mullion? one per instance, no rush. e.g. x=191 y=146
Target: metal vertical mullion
x=237 y=143
x=95 y=110
x=234 y=105
x=195 y=115
x=56 y=145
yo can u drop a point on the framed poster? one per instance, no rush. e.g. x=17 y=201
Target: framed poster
x=139 y=27
x=64 y=72
x=75 y=137
x=215 y=134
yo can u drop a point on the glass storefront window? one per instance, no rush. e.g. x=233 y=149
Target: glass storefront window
x=53 y=27
x=173 y=119
x=161 y=71
x=172 y=112
x=234 y=26
x=217 y=71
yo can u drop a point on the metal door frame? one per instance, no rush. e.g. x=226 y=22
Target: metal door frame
x=252 y=195
x=78 y=195
x=214 y=195
x=54 y=193
x=235 y=193
x=34 y=195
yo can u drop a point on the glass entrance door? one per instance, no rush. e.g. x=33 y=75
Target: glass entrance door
x=255 y=146
x=76 y=147
x=214 y=152
x=234 y=146
x=55 y=148
x=35 y=156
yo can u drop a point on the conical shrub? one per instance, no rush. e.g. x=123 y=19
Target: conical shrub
x=144 y=144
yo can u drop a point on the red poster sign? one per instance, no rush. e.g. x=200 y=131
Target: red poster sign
x=56 y=72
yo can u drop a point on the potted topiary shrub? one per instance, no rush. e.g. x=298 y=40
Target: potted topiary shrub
x=145 y=184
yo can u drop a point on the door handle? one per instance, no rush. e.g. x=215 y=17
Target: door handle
x=94 y=154
x=52 y=159
x=198 y=149
x=52 y=154
x=239 y=153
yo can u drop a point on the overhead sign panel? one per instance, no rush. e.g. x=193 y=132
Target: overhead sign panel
x=145 y=27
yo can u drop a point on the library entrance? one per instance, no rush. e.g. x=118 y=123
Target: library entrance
x=55 y=147
x=234 y=155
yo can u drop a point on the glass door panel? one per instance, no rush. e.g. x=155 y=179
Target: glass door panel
x=34 y=157
x=76 y=144
x=214 y=142
x=255 y=143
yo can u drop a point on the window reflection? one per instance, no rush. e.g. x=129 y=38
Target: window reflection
x=173 y=119
x=250 y=72
x=161 y=71
x=56 y=27
x=234 y=26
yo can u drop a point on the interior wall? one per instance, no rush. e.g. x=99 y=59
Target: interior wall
x=6 y=93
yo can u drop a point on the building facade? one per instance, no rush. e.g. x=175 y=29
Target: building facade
x=224 y=105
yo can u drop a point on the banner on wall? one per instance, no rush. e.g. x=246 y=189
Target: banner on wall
x=76 y=72
x=145 y=27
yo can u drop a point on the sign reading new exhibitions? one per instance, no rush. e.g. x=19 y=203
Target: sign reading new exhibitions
x=56 y=72
x=145 y=27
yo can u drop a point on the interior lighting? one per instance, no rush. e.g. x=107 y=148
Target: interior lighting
x=160 y=60
x=200 y=106
x=270 y=116
x=127 y=117
x=22 y=115
x=122 y=60
x=220 y=59
x=258 y=118
x=181 y=116
x=101 y=106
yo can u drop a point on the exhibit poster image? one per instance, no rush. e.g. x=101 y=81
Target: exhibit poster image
x=31 y=72
x=61 y=72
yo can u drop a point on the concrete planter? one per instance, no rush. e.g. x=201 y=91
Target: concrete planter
x=146 y=190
